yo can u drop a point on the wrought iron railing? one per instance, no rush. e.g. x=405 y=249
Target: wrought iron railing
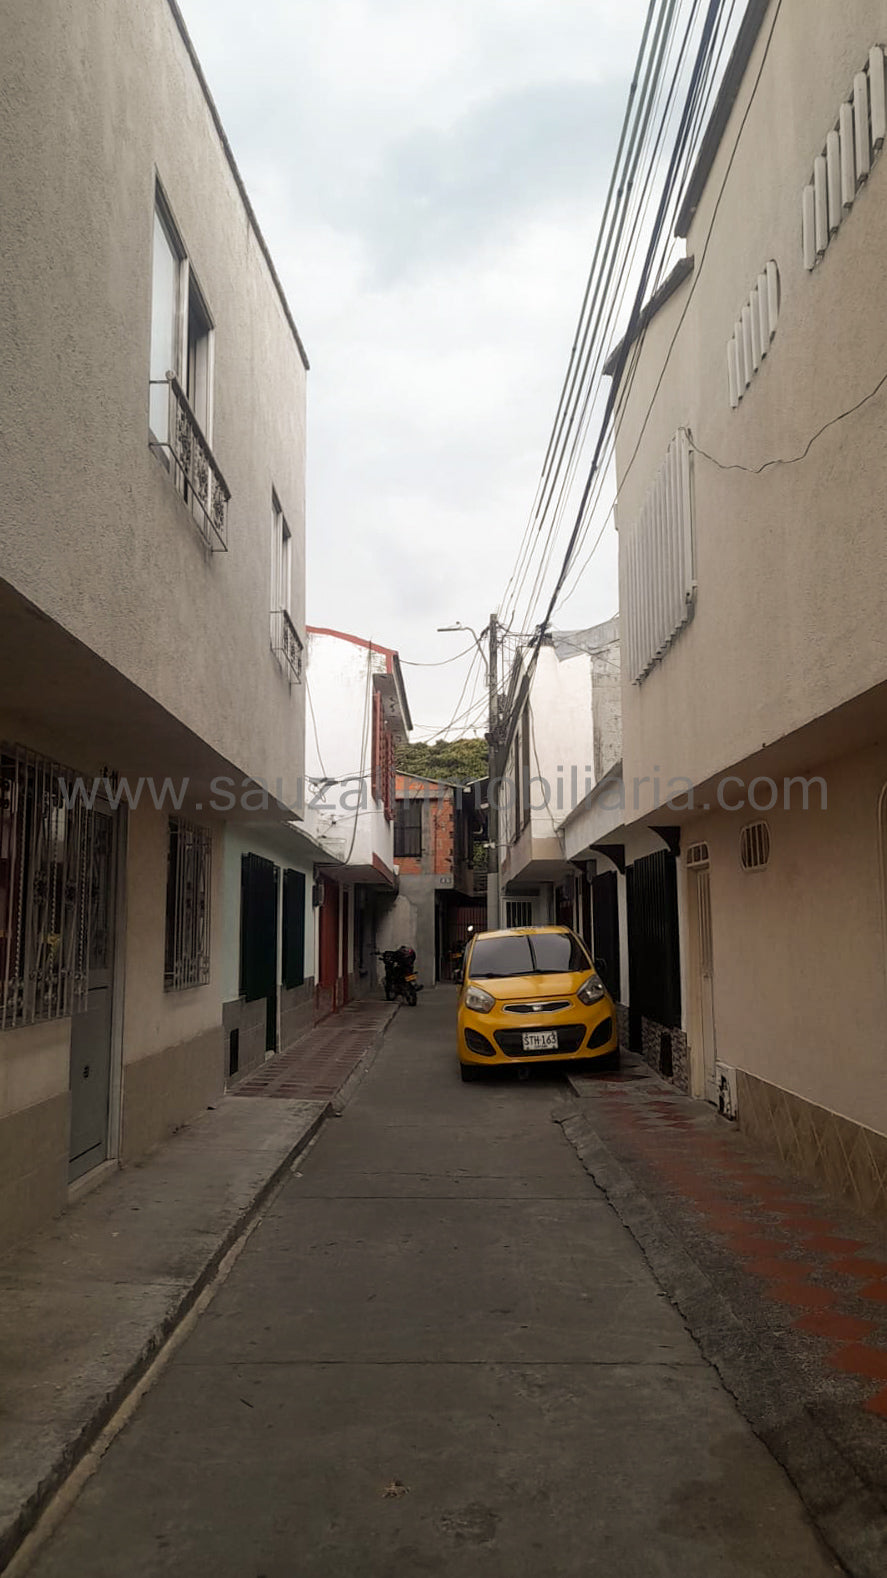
x=285 y=643
x=46 y=839
x=197 y=473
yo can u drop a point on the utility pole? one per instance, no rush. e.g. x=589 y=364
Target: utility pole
x=493 y=900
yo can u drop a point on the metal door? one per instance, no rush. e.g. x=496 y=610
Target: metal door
x=91 y=1030
x=706 y=983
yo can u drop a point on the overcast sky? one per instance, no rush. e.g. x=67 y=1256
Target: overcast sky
x=429 y=176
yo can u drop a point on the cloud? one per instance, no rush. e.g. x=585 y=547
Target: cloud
x=429 y=175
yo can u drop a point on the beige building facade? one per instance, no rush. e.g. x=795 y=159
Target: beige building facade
x=753 y=577
x=151 y=585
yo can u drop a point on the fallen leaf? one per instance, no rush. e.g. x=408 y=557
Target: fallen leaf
x=396 y=1488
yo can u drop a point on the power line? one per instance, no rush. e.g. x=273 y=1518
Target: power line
x=407 y=663
x=698 y=269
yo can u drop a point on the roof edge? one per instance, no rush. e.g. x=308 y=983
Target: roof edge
x=673 y=281
x=238 y=178
x=722 y=109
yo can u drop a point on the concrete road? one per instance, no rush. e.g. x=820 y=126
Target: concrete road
x=440 y=1353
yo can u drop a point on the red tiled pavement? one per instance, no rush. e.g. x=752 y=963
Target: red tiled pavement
x=799 y=1250
x=317 y=1066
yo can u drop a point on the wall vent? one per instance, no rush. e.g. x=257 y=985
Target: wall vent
x=845 y=162
x=658 y=562
x=754 y=846
x=754 y=331
x=697 y=857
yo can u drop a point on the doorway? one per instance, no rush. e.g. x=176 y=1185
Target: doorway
x=700 y=904
x=90 y=1070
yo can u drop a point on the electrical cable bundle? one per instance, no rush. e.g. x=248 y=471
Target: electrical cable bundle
x=678 y=70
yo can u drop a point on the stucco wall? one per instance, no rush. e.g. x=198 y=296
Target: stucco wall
x=283 y=850
x=800 y=947
x=97 y=100
x=790 y=563
x=153 y=1018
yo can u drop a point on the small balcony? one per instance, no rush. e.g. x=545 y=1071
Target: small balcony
x=286 y=645
x=194 y=468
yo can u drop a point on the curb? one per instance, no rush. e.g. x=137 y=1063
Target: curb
x=362 y=1067
x=15 y=1531
x=848 y=1515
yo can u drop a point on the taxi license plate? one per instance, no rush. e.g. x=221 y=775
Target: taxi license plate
x=540 y=1041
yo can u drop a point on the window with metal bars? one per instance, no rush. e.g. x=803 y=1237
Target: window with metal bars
x=754 y=846
x=45 y=855
x=188 y=905
x=518 y=912
x=408 y=830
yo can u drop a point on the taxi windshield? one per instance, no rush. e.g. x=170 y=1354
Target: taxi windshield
x=546 y=953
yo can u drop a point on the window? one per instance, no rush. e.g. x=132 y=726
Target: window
x=697 y=857
x=657 y=563
x=754 y=846
x=188 y=904
x=285 y=641
x=545 y=953
x=45 y=855
x=408 y=830
x=166 y=282
x=383 y=773
x=518 y=912
x=180 y=404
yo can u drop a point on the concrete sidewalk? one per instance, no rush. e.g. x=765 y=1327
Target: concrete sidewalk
x=782 y=1285
x=87 y=1304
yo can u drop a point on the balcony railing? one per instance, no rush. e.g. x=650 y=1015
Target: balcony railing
x=197 y=474
x=286 y=646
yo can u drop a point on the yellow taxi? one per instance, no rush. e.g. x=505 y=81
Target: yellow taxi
x=532 y=995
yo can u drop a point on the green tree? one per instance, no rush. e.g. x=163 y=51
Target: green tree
x=455 y=761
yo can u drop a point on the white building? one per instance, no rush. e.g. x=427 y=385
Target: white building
x=360 y=716
x=755 y=645
x=564 y=737
x=152 y=383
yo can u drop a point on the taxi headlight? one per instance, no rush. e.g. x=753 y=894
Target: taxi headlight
x=591 y=991
x=479 y=1001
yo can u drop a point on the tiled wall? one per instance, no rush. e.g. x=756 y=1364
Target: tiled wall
x=666 y=1051
x=849 y=1159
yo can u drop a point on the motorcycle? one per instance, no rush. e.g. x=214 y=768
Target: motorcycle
x=401 y=979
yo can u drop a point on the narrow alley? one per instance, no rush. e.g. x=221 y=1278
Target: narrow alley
x=440 y=1352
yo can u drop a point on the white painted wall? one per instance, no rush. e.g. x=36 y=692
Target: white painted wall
x=791 y=566
x=96 y=102
x=284 y=850
x=340 y=678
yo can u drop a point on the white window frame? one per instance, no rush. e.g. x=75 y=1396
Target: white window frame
x=194 y=360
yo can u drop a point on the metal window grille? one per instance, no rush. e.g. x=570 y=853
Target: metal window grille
x=188 y=905
x=46 y=835
x=197 y=473
x=408 y=830
x=754 y=331
x=518 y=912
x=286 y=645
x=754 y=846
x=697 y=857
x=845 y=162
x=658 y=563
